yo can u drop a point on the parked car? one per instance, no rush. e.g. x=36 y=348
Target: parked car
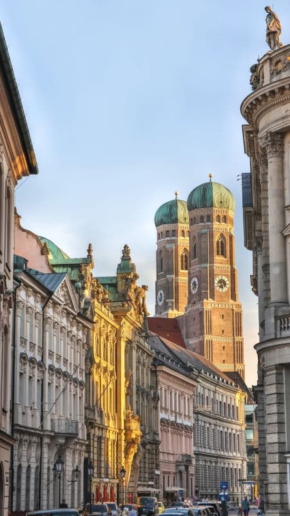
x=216 y=505
x=114 y=509
x=161 y=507
x=54 y=512
x=98 y=509
x=147 y=506
x=185 y=511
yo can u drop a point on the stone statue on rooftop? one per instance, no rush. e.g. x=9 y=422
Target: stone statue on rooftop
x=273 y=29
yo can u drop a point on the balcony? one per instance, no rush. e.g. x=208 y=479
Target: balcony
x=65 y=426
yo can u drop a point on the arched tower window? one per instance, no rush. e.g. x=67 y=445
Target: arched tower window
x=160 y=261
x=224 y=219
x=221 y=246
x=184 y=260
x=218 y=219
x=194 y=250
x=182 y=233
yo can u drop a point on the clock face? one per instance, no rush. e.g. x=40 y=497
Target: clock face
x=160 y=297
x=194 y=285
x=222 y=283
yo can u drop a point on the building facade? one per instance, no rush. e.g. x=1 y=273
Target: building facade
x=266 y=226
x=52 y=341
x=17 y=160
x=176 y=389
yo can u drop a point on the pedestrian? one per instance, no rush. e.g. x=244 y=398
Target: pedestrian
x=245 y=506
x=63 y=505
x=133 y=512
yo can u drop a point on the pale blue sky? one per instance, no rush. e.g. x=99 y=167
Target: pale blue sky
x=128 y=101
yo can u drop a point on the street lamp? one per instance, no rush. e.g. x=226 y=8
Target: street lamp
x=76 y=473
x=90 y=475
x=58 y=468
x=122 y=475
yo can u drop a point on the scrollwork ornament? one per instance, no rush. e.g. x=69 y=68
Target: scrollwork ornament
x=273 y=143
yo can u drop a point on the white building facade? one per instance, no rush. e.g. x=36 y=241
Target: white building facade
x=51 y=343
x=266 y=199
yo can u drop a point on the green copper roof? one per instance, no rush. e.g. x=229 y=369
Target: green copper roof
x=211 y=195
x=55 y=253
x=172 y=212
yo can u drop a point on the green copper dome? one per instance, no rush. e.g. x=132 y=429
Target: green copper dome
x=172 y=212
x=55 y=253
x=211 y=195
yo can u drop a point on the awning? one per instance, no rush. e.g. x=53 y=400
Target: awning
x=174 y=489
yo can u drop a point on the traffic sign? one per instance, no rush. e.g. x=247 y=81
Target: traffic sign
x=224 y=485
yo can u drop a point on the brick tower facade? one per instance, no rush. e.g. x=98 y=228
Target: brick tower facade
x=172 y=258
x=204 y=297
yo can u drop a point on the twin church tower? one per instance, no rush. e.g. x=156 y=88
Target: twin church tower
x=196 y=276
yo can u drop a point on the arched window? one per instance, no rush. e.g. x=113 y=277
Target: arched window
x=208 y=218
x=201 y=219
x=18 y=487
x=36 y=488
x=194 y=250
x=173 y=233
x=221 y=246
x=27 y=490
x=160 y=261
x=184 y=260
x=224 y=219
x=218 y=219
x=182 y=233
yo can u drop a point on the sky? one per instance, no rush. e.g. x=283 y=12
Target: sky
x=128 y=101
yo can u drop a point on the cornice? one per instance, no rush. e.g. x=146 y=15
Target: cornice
x=262 y=101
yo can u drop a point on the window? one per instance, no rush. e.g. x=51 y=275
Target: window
x=182 y=233
x=194 y=253
x=173 y=233
x=208 y=218
x=160 y=262
x=201 y=219
x=249 y=418
x=224 y=219
x=218 y=219
x=184 y=260
x=249 y=434
x=27 y=491
x=18 y=487
x=221 y=246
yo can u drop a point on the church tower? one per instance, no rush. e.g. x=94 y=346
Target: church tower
x=196 y=275
x=212 y=325
x=172 y=258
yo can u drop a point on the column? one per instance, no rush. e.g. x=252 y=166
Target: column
x=287 y=207
x=274 y=145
